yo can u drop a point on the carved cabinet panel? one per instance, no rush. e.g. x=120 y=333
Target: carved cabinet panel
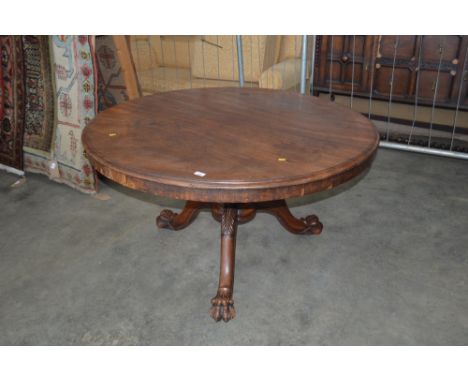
x=426 y=69
x=337 y=69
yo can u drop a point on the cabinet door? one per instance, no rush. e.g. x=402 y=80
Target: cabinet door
x=464 y=91
x=396 y=67
x=437 y=60
x=461 y=78
x=338 y=58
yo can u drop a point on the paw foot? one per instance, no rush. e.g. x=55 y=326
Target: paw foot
x=222 y=307
x=313 y=225
x=165 y=218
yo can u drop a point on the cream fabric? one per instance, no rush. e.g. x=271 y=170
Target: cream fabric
x=179 y=62
x=173 y=51
x=163 y=79
x=284 y=75
x=215 y=57
x=166 y=79
x=144 y=57
x=168 y=51
x=290 y=47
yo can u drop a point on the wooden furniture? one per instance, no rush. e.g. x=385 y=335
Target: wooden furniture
x=235 y=151
x=378 y=59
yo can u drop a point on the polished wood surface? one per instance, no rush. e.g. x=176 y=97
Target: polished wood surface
x=253 y=144
x=253 y=148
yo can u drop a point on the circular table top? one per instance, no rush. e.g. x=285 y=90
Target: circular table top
x=230 y=145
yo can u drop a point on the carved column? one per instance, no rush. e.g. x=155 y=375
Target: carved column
x=223 y=303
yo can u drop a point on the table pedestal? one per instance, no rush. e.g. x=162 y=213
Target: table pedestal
x=230 y=215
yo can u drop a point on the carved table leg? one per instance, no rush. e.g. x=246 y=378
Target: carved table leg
x=230 y=215
x=308 y=225
x=245 y=212
x=217 y=211
x=222 y=303
x=171 y=220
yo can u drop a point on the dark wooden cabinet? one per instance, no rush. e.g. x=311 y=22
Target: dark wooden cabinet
x=387 y=67
x=335 y=63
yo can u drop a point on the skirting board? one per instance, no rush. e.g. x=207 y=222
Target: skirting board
x=11 y=170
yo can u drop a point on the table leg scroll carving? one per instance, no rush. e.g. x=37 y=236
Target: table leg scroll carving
x=217 y=211
x=245 y=212
x=174 y=221
x=230 y=216
x=223 y=303
x=309 y=225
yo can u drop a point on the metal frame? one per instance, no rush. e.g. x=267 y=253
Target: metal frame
x=312 y=64
x=423 y=150
x=11 y=170
x=240 y=60
x=303 y=65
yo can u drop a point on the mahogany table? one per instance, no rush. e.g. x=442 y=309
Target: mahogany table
x=234 y=151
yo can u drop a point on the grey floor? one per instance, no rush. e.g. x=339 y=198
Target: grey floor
x=390 y=268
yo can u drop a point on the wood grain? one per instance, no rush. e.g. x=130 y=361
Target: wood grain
x=253 y=145
x=416 y=56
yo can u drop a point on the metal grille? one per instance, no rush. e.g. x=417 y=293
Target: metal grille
x=412 y=125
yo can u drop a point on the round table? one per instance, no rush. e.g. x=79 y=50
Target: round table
x=235 y=151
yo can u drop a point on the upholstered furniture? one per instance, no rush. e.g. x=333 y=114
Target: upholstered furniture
x=166 y=63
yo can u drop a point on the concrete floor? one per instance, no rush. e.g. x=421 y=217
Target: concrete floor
x=390 y=268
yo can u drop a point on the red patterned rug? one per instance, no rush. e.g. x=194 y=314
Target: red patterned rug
x=39 y=93
x=11 y=101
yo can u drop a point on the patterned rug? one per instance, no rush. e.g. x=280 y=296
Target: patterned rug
x=111 y=86
x=75 y=105
x=11 y=101
x=39 y=93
